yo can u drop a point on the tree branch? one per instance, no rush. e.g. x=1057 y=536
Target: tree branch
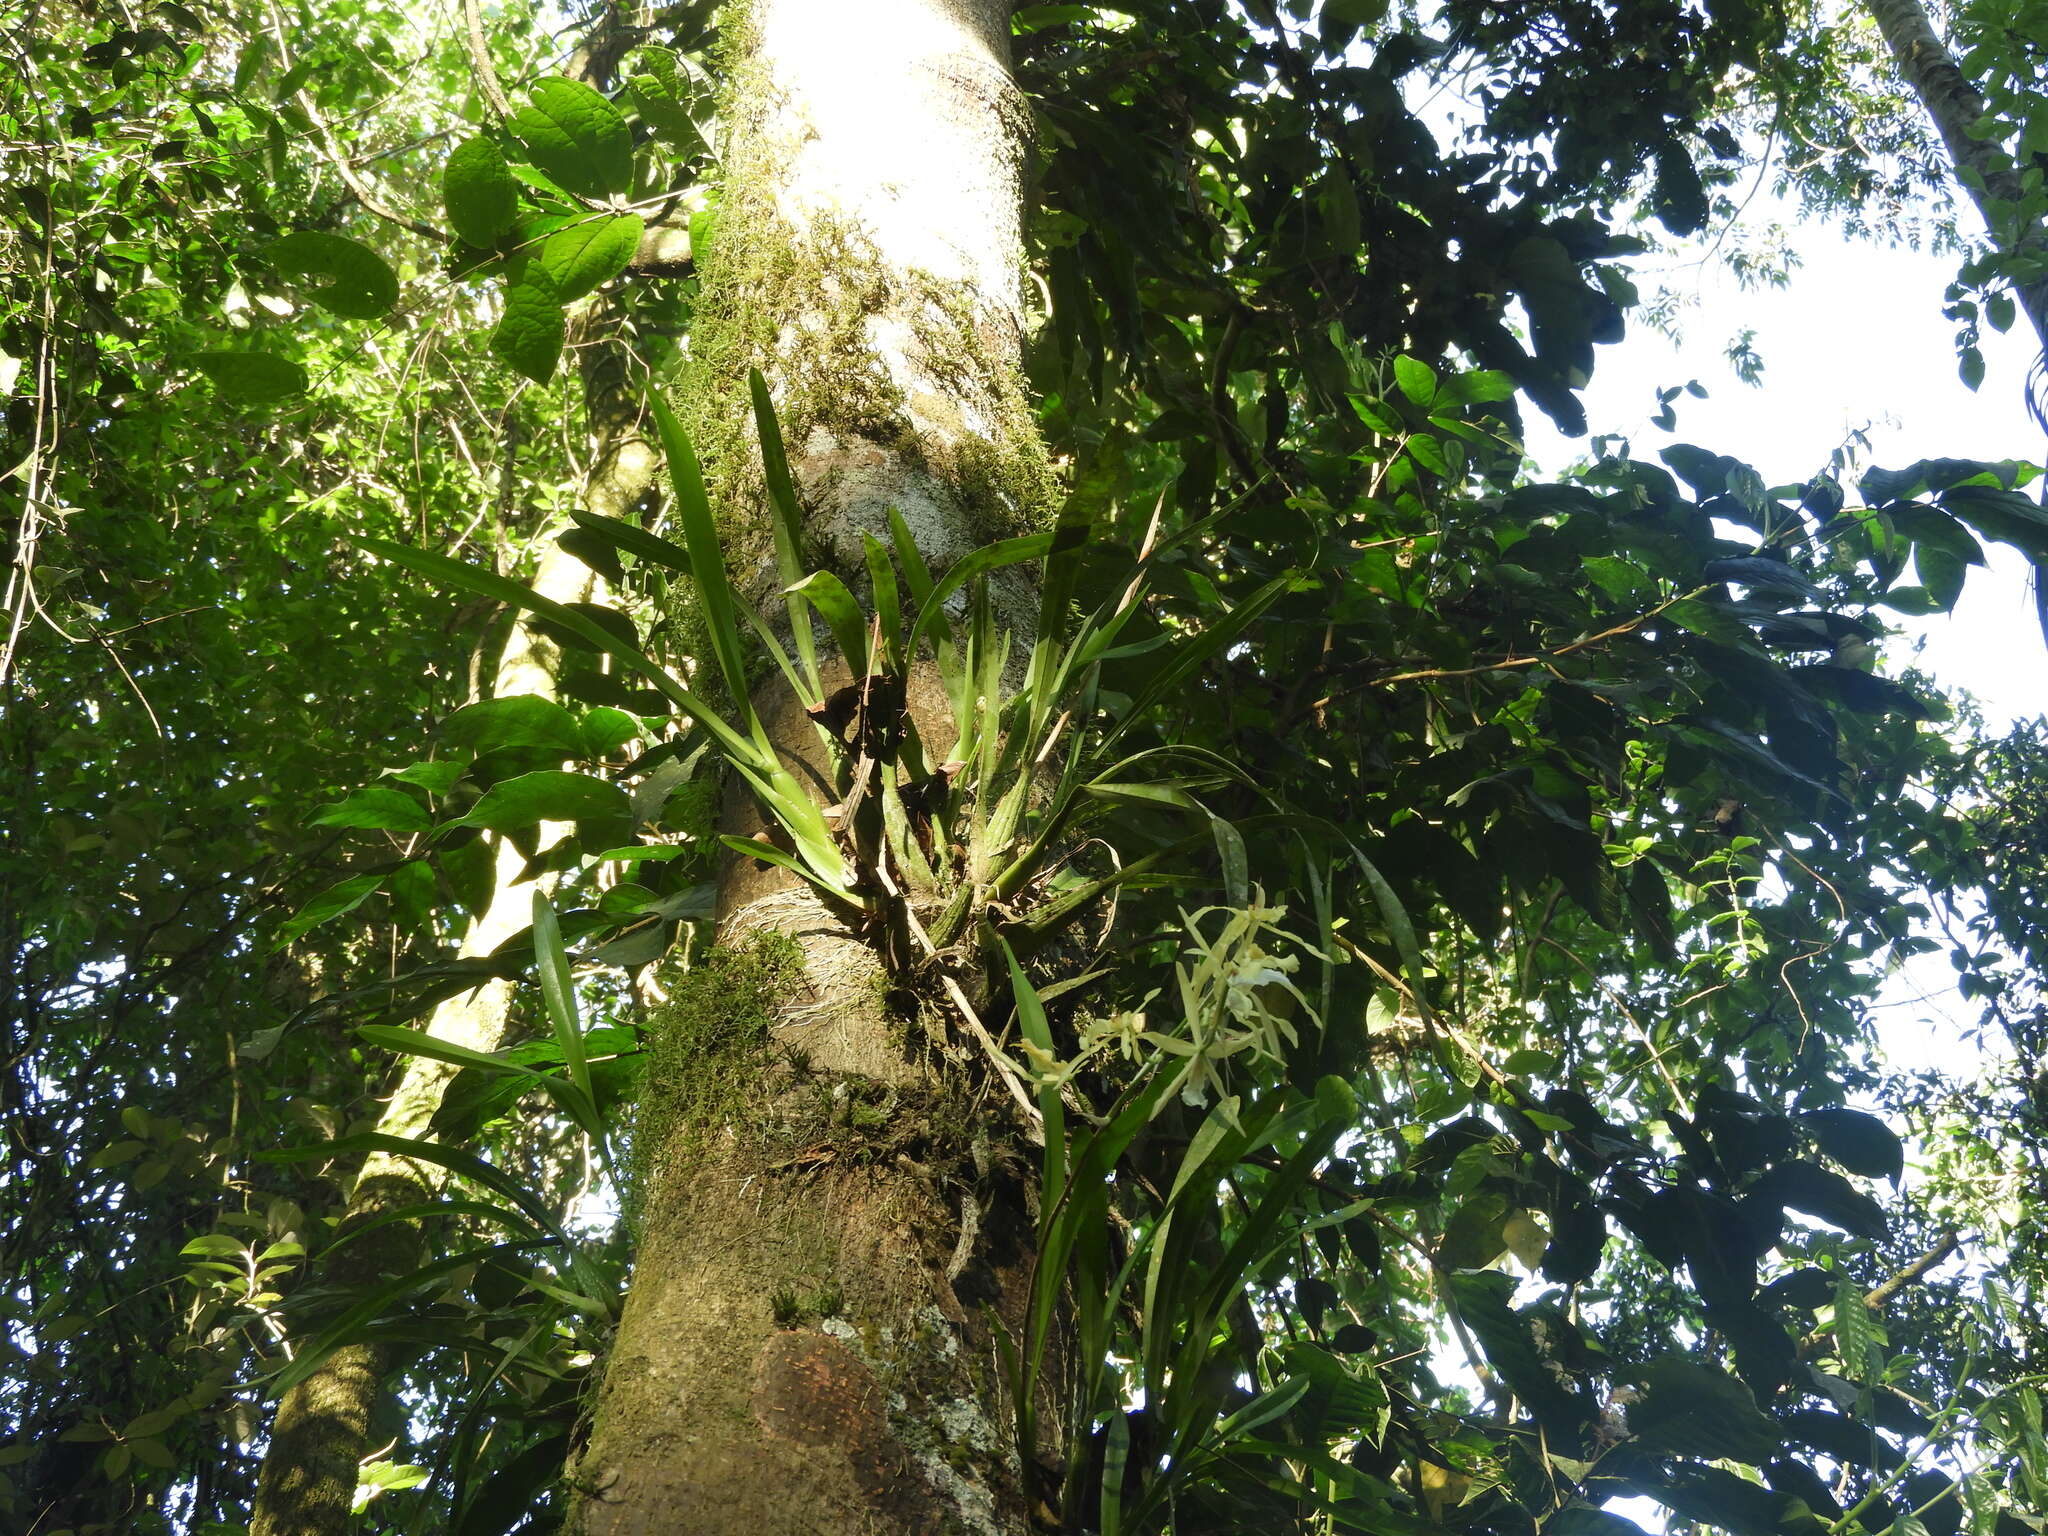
x=480 y=65
x=1875 y=1298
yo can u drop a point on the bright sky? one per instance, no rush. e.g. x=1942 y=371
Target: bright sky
x=1856 y=342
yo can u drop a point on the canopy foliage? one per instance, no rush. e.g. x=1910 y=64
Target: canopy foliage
x=1433 y=911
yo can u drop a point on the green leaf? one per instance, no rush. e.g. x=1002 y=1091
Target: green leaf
x=549 y=794
x=842 y=615
x=1861 y=1143
x=586 y=255
x=707 y=563
x=1581 y=1520
x=436 y=777
x=1416 y=378
x=1479 y=387
x=331 y=903
x=662 y=93
x=417 y=1042
x=558 y=992
x=358 y=282
x=480 y=192
x=1032 y=1022
x=1825 y=1195
x=931 y=611
x=454 y=573
x=516 y=720
x=1429 y=453
x=253 y=376
x=576 y=137
x=1855 y=1330
x=531 y=330
x=604 y=730
x=1696 y=1410
x=378 y=809
x=787 y=522
x=634 y=540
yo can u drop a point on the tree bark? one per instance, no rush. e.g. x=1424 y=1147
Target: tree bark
x=833 y=1231
x=1954 y=104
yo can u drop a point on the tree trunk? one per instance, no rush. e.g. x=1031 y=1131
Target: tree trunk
x=830 y=1236
x=323 y=1426
x=1955 y=104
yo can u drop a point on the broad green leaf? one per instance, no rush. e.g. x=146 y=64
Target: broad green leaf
x=663 y=94
x=576 y=137
x=1697 y=1410
x=357 y=282
x=586 y=255
x=480 y=192
x=1416 y=378
x=1481 y=386
x=436 y=777
x=344 y=896
x=1861 y=1143
x=251 y=376
x=550 y=794
x=374 y=808
x=604 y=730
x=531 y=330
x=516 y=720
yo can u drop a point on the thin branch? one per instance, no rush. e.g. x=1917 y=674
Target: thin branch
x=330 y=151
x=1875 y=1298
x=1432 y=674
x=480 y=64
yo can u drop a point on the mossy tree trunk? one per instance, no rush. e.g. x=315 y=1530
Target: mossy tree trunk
x=323 y=1427
x=829 y=1226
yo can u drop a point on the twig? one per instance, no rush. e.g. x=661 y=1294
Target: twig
x=1875 y=1298
x=330 y=151
x=1004 y=1069
x=1509 y=664
x=480 y=65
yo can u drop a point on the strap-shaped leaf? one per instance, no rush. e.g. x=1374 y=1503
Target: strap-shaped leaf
x=1032 y=1022
x=558 y=991
x=787 y=521
x=707 y=563
x=842 y=615
x=488 y=584
x=1030 y=546
x=634 y=540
